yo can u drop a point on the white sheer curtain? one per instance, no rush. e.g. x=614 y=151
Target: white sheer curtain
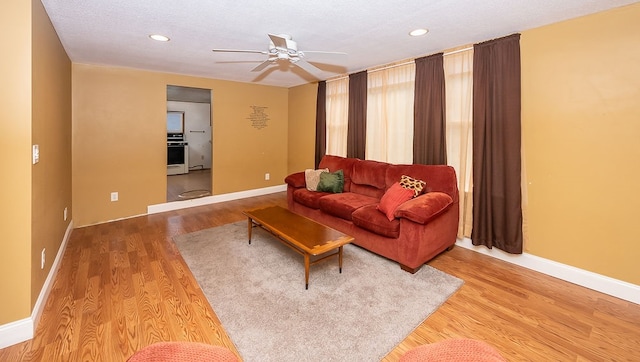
x=458 y=69
x=337 y=108
x=390 y=114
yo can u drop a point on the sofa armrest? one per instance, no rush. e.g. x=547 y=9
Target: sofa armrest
x=424 y=208
x=296 y=180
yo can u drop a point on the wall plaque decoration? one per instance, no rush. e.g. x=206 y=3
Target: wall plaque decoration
x=258 y=117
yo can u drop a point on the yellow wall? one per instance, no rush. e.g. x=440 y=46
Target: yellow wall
x=36 y=108
x=581 y=128
x=119 y=139
x=302 y=120
x=51 y=130
x=15 y=140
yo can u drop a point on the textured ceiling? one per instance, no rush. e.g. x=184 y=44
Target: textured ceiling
x=371 y=32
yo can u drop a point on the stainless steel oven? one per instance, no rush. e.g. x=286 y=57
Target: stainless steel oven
x=177 y=155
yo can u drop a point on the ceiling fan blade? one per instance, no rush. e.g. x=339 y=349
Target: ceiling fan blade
x=323 y=52
x=261 y=66
x=334 y=57
x=309 y=68
x=279 y=41
x=239 y=51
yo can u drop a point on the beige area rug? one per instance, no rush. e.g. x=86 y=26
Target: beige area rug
x=258 y=293
x=193 y=194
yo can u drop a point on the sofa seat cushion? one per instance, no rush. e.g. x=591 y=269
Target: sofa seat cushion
x=310 y=199
x=369 y=218
x=344 y=204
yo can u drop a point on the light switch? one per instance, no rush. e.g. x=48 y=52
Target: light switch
x=36 y=154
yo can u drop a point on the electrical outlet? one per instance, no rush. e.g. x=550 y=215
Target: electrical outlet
x=64 y=214
x=114 y=196
x=43 y=258
x=267 y=176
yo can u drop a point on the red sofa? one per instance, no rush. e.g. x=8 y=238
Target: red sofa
x=422 y=228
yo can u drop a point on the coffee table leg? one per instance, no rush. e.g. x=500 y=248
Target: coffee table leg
x=306 y=271
x=340 y=258
x=249 y=228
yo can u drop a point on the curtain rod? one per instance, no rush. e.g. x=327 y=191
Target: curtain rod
x=388 y=66
x=383 y=67
x=458 y=51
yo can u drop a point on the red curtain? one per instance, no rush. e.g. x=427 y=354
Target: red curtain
x=497 y=199
x=357 y=127
x=429 y=136
x=321 y=122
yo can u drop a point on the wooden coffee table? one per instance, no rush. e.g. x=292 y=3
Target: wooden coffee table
x=301 y=234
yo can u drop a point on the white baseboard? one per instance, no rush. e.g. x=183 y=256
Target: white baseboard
x=176 y=205
x=23 y=329
x=601 y=283
x=16 y=332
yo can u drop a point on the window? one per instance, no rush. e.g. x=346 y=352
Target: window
x=458 y=70
x=337 y=108
x=390 y=97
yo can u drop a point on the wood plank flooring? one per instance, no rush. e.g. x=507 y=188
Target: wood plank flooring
x=195 y=180
x=123 y=285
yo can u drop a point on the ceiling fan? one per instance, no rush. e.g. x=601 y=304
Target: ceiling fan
x=283 y=48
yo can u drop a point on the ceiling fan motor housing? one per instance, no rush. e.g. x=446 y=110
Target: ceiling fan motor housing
x=288 y=46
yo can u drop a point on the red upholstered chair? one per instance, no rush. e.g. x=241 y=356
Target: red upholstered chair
x=454 y=350
x=183 y=352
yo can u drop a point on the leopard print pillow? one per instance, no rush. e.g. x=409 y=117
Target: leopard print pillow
x=412 y=184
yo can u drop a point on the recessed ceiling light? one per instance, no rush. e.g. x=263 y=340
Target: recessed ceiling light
x=159 y=37
x=418 y=32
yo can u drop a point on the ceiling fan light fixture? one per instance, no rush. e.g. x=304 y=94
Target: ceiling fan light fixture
x=419 y=32
x=159 y=37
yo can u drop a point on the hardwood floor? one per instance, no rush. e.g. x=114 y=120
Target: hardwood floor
x=196 y=181
x=123 y=285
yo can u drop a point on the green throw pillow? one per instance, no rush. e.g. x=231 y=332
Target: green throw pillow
x=331 y=182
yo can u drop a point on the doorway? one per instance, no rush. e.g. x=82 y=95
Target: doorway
x=189 y=127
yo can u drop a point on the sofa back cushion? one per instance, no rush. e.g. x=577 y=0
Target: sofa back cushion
x=335 y=163
x=368 y=178
x=441 y=178
x=373 y=178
